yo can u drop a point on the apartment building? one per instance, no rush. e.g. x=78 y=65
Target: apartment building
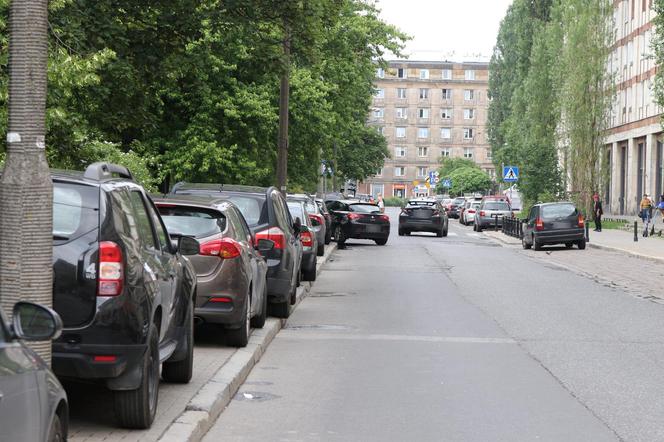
x=427 y=110
x=634 y=150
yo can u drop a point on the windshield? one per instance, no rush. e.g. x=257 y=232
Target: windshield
x=558 y=211
x=191 y=221
x=295 y=209
x=249 y=207
x=496 y=205
x=459 y=200
x=364 y=208
x=75 y=210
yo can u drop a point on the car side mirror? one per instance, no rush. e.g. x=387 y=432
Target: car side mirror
x=265 y=245
x=188 y=246
x=34 y=322
x=297 y=226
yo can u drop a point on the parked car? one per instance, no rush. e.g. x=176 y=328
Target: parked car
x=231 y=272
x=328 y=220
x=470 y=212
x=554 y=223
x=267 y=215
x=355 y=219
x=308 y=238
x=491 y=212
x=453 y=210
x=33 y=404
x=423 y=215
x=462 y=208
x=123 y=289
x=316 y=217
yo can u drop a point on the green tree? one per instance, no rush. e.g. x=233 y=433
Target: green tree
x=469 y=180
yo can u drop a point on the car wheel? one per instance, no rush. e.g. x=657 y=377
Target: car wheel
x=258 y=321
x=536 y=244
x=239 y=337
x=479 y=228
x=309 y=274
x=581 y=244
x=407 y=232
x=569 y=245
x=280 y=309
x=445 y=232
x=321 y=250
x=439 y=234
x=400 y=232
x=181 y=371
x=381 y=242
x=525 y=244
x=136 y=408
x=328 y=235
x=340 y=236
x=56 y=433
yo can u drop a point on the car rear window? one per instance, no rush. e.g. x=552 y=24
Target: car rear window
x=459 y=200
x=412 y=204
x=496 y=205
x=364 y=208
x=192 y=221
x=295 y=208
x=475 y=205
x=251 y=208
x=75 y=210
x=558 y=211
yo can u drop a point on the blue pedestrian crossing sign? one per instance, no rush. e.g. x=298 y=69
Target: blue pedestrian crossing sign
x=510 y=174
x=447 y=182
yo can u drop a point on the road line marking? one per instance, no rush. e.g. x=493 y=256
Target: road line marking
x=305 y=334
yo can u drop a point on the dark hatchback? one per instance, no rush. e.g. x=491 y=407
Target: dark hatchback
x=554 y=223
x=122 y=288
x=358 y=220
x=267 y=215
x=423 y=215
x=455 y=207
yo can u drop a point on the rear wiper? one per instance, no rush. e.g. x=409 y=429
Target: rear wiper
x=60 y=238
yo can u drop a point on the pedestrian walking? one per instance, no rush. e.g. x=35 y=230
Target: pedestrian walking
x=646 y=213
x=597 y=212
x=660 y=206
x=381 y=203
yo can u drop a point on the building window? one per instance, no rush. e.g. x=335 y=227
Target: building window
x=447 y=94
x=379 y=93
x=422 y=151
x=489 y=154
x=399 y=171
x=468 y=94
x=377 y=189
x=424 y=94
x=422 y=132
x=402 y=112
x=399 y=152
x=421 y=172
x=380 y=73
x=380 y=130
x=447 y=74
x=446 y=114
x=468 y=152
x=445 y=153
x=402 y=73
x=401 y=132
x=469 y=74
x=468 y=114
x=379 y=112
x=445 y=133
x=468 y=133
x=423 y=113
x=379 y=173
x=424 y=74
x=401 y=93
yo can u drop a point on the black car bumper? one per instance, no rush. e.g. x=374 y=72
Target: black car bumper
x=367 y=231
x=559 y=237
x=94 y=361
x=435 y=224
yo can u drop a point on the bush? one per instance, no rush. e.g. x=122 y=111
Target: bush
x=394 y=201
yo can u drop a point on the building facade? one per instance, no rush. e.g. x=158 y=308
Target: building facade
x=634 y=150
x=428 y=110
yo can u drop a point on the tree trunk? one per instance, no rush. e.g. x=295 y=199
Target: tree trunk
x=26 y=192
x=284 y=94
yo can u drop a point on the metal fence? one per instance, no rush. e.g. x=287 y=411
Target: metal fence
x=513 y=227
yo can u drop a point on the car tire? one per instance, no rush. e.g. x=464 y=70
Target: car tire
x=239 y=337
x=309 y=274
x=400 y=232
x=525 y=244
x=328 y=235
x=569 y=245
x=445 y=232
x=180 y=372
x=381 y=242
x=439 y=234
x=340 y=236
x=582 y=244
x=320 y=251
x=281 y=309
x=137 y=408
x=537 y=245
x=56 y=432
x=477 y=227
x=258 y=321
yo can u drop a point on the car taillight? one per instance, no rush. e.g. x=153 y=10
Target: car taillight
x=111 y=272
x=274 y=234
x=384 y=218
x=352 y=216
x=307 y=239
x=581 y=222
x=482 y=213
x=471 y=211
x=539 y=225
x=317 y=219
x=225 y=248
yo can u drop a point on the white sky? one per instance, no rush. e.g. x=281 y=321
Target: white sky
x=455 y=30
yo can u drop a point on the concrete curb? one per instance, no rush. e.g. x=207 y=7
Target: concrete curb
x=205 y=407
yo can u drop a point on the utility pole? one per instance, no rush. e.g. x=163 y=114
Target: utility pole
x=26 y=191
x=334 y=172
x=284 y=95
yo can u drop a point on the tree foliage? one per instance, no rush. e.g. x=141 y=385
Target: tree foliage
x=465 y=175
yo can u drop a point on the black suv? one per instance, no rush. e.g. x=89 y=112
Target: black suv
x=267 y=215
x=123 y=289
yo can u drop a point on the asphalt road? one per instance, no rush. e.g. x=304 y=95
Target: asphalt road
x=456 y=339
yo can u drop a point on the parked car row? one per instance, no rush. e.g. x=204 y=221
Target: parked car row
x=134 y=274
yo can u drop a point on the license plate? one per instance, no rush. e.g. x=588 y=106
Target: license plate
x=373 y=229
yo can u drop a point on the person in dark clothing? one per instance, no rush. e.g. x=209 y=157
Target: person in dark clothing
x=597 y=212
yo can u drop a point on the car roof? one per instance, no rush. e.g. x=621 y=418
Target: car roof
x=358 y=202
x=95 y=174
x=555 y=203
x=193 y=200
x=237 y=188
